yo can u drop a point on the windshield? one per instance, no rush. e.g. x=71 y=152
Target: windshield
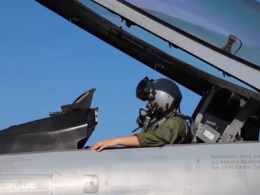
x=159 y=43
x=233 y=26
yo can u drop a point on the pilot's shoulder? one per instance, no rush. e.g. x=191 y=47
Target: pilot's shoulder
x=174 y=120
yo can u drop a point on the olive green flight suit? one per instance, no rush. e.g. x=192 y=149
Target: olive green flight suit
x=170 y=132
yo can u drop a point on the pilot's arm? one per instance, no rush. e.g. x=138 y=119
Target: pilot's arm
x=167 y=133
x=128 y=141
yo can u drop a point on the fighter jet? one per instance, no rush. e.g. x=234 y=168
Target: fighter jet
x=47 y=156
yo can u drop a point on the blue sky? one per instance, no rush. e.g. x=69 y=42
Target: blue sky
x=46 y=62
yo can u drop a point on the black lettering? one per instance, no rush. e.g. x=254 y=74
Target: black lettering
x=223 y=156
x=246 y=156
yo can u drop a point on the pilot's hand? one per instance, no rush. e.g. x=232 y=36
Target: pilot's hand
x=105 y=144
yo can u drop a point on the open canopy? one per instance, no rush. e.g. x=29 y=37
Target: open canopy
x=105 y=25
x=215 y=42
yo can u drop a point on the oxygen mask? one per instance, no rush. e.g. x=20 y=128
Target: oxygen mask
x=144 y=119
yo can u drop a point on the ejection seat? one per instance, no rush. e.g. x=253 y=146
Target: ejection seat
x=219 y=116
x=66 y=130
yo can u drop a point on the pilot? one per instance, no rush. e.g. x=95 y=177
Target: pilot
x=164 y=98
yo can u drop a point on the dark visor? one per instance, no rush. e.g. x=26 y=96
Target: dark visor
x=142 y=90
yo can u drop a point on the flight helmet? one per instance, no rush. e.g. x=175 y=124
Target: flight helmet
x=162 y=94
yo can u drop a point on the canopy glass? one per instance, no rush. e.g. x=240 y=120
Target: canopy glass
x=214 y=22
x=157 y=42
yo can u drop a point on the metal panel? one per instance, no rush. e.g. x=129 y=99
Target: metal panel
x=208 y=134
x=90 y=184
x=201 y=113
x=195 y=169
x=237 y=69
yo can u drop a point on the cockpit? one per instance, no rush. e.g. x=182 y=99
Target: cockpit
x=221 y=116
x=225 y=113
